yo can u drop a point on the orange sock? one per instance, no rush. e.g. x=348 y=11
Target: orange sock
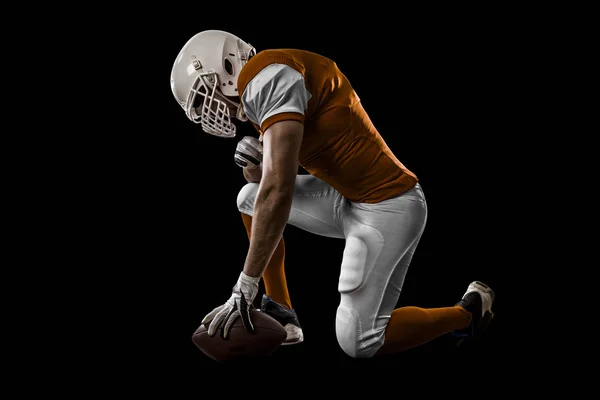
x=412 y=326
x=274 y=275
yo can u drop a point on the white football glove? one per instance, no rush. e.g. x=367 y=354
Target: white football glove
x=238 y=305
x=248 y=152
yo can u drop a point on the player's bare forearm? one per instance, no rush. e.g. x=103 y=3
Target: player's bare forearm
x=253 y=175
x=271 y=212
x=281 y=147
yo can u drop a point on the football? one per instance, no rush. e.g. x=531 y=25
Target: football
x=240 y=344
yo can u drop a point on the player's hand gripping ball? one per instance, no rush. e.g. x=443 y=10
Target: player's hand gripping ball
x=248 y=152
x=236 y=330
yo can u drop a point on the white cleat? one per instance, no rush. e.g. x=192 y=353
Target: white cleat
x=477 y=300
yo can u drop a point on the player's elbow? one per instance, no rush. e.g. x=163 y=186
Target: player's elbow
x=279 y=183
x=278 y=192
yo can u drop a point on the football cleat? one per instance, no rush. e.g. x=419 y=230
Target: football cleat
x=478 y=301
x=285 y=317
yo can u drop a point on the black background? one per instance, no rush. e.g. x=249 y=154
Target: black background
x=442 y=93
x=126 y=227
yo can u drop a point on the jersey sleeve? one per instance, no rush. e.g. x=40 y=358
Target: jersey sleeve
x=276 y=93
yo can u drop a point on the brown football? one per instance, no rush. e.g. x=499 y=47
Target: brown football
x=240 y=344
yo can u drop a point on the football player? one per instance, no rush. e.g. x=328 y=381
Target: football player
x=307 y=113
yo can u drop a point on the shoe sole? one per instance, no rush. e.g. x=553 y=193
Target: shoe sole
x=294 y=335
x=487 y=317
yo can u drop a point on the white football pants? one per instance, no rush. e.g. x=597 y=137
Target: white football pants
x=380 y=242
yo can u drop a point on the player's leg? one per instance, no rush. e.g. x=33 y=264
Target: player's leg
x=378 y=237
x=382 y=239
x=410 y=326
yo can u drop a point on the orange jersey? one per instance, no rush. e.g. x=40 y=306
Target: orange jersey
x=340 y=145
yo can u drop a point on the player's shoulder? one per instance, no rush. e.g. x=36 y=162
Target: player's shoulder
x=264 y=59
x=269 y=54
x=290 y=55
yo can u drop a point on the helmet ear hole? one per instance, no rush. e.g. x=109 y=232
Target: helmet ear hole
x=228 y=66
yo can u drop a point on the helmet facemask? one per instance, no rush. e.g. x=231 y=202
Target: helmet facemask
x=210 y=108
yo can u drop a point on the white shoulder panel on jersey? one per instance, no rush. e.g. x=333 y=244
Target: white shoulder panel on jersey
x=276 y=89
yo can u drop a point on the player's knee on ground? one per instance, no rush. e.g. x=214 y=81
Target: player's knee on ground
x=246 y=196
x=354 y=329
x=355 y=339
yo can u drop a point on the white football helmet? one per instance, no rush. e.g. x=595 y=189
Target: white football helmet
x=204 y=80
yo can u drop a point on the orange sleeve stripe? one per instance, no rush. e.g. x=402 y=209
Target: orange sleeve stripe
x=286 y=116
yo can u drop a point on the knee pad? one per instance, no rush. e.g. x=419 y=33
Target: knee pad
x=356 y=340
x=347 y=330
x=245 y=198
